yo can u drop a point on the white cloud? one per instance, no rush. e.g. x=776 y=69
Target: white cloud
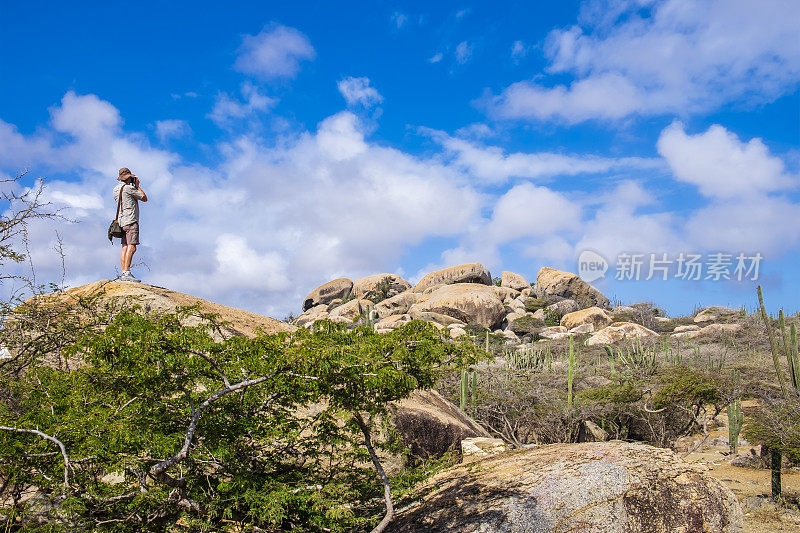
x=399 y=19
x=227 y=109
x=518 y=50
x=275 y=52
x=261 y=228
x=492 y=165
x=435 y=58
x=357 y=92
x=530 y=211
x=679 y=56
x=171 y=129
x=463 y=52
x=720 y=164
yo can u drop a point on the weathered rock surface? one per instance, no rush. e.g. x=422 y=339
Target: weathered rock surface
x=352 y=309
x=554 y=333
x=436 y=318
x=362 y=286
x=161 y=300
x=391 y=322
x=595 y=316
x=713 y=313
x=431 y=426
x=327 y=292
x=477 y=447
x=467 y=302
x=609 y=487
x=711 y=329
x=396 y=304
x=468 y=273
x=504 y=293
x=513 y=281
x=552 y=282
x=619 y=331
x=563 y=307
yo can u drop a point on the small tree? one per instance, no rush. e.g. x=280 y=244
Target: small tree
x=161 y=423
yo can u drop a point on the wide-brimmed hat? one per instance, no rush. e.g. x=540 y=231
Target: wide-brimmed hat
x=124 y=173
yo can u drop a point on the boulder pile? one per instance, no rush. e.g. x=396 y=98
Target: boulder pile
x=458 y=298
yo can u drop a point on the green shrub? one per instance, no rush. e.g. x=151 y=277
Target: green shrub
x=688 y=387
x=534 y=304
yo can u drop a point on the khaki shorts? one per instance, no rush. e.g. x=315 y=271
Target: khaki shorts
x=131 y=234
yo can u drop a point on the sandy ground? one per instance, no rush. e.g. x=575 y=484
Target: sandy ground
x=752 y=486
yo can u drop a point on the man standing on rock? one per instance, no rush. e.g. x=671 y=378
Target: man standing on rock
x=128 y=218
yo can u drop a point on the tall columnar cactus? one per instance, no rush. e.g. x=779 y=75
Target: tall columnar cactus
x=570 y=371
x=610 y=353
x=735 y=421
x=464 y=387
x=772 y=343
x=794 y=357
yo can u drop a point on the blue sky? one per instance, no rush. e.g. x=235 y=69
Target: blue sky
x=285 y=144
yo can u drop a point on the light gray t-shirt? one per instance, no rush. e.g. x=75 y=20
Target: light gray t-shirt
x=129 y=209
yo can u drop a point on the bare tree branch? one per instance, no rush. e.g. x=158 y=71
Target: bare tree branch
x=51 y=439
x=387 y=490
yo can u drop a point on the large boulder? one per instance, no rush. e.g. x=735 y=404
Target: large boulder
x=396 y=304
x=610 y=487
x=467 y=302
x=393 y=285
x=513 y=281
x=618 y=331
x=431 y=426
x=710 y=330
x=327 y=292
x=152 y=299
x=552 y=282
x=352 y=309
x=468 y=273
x=712 y=314
x=599 y=318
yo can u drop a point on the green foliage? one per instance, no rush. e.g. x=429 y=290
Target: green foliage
x=688 y=387
x=497 y=281
x=383 y=290
x=261 y=432
x=534 y=304
x=776 y=426
x=624 y=392
x=552 y=317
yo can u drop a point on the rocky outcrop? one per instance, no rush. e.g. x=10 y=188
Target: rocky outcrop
x=161 y=300
x=327 y=292
x=552 y=282
x=513 y=281
x=431 y=426
x=352 y=309
x=712 y=314
x=613 y=487
x=619 y=331
x=711 y=329
x=468 y=273
x=396 y=304
x=370 y=284
x=467 y=302
x=599 y=318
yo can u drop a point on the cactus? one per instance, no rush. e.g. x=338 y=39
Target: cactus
x=610 y=353
x=570 y=372
x=464 y=385
x=735 y=421
x=772 y=343
x=793 y=357
x=474 y=388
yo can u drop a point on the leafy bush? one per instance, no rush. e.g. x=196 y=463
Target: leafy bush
x=274 y=432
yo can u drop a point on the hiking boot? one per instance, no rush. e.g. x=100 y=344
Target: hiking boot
x=127 y=276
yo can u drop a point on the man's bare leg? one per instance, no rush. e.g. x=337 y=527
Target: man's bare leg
x=127 y=256
x=122 y=257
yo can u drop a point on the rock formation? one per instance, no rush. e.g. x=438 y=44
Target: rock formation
x=600 y=486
